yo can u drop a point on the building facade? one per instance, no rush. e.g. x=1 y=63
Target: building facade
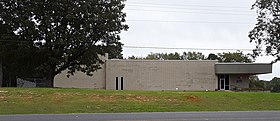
x=166 y=75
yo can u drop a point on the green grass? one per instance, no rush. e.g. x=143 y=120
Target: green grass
x=56 y=100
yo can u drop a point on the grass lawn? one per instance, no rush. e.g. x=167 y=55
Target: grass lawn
x=56 y=100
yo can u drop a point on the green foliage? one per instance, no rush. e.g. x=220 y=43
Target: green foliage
x=163 y=56
x=17 y=56
x=63 y=34
x=255 y=83
x=222 y=57
x=135 y=58
x=212 y=56
x=275 y=84
x=234 y=57
x=172 y=56
x=193 y=56
x=266 y=32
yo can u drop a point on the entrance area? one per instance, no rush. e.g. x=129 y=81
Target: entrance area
x=223 y=82
x=117 y=83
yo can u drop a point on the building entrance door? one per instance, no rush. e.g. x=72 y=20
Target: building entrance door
x=119 y=82
x=223 y=82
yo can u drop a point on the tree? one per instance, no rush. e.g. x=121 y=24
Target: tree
x=255 y=82
x=193 y=56
x=1 y=73
x=234 y=57
x=163 y=56
x=212 y=56
x=275 y=84
x=154 y=56
x=115 y=51
x=266 y=32
x=17 y=58
x=172 y=56
x=66 y=34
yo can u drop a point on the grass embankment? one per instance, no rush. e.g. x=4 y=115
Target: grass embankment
x=48 y=100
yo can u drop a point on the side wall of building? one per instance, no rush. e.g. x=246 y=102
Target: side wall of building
x=239 y=81
x=81 y=80
x=161 y=75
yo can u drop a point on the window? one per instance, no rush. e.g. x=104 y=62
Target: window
x=239 y=79
x=117 y=83
x=121 y=83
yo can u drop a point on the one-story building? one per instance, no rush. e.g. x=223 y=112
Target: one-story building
x=166 y=75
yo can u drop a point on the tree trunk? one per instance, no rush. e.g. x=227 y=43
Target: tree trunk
x=49 y=82
x=49 y=79
x=1 y=74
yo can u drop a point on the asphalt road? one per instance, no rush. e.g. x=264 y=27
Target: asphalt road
x=173 y=116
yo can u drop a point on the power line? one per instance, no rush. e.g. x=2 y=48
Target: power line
x=150 y=47
x=173 y=48
x=164 y=4
x=183 y=8
x=193 y=22
x=186 y=12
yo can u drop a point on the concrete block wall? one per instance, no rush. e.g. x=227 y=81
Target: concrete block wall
x=81 y=80
x=239 y=80
x=161 y=75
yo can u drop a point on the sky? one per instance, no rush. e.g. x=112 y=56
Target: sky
x=191 y=25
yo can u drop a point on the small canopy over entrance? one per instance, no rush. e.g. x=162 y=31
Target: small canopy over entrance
x=232 y=75
x=243 y=68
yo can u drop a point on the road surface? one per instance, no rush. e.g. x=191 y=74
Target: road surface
x=172 y=116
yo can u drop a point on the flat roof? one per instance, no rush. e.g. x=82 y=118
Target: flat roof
x=132 y=60
x=243 y=68
x=243 y=63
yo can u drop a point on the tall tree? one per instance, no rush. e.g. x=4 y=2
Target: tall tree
x=67 y=34
x=266 y=32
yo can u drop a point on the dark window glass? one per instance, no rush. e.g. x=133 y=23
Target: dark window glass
x=121 y=83
x=117 y=83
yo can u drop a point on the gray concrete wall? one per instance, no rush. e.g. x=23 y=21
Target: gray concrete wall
x=161 y=75
x=81 y=80
x=239 y=81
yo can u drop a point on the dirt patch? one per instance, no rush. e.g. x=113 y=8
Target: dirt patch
x=28 y=98
x=139 y=98
x=136 y=98
x=2 y=98
x=3 y=91
x=193 y=98
x=173 y=100
x=96 y=97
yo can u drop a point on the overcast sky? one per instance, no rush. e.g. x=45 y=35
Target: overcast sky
x=204 y=24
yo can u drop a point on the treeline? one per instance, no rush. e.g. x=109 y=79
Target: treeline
x=272 y=85
x=237 y=56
